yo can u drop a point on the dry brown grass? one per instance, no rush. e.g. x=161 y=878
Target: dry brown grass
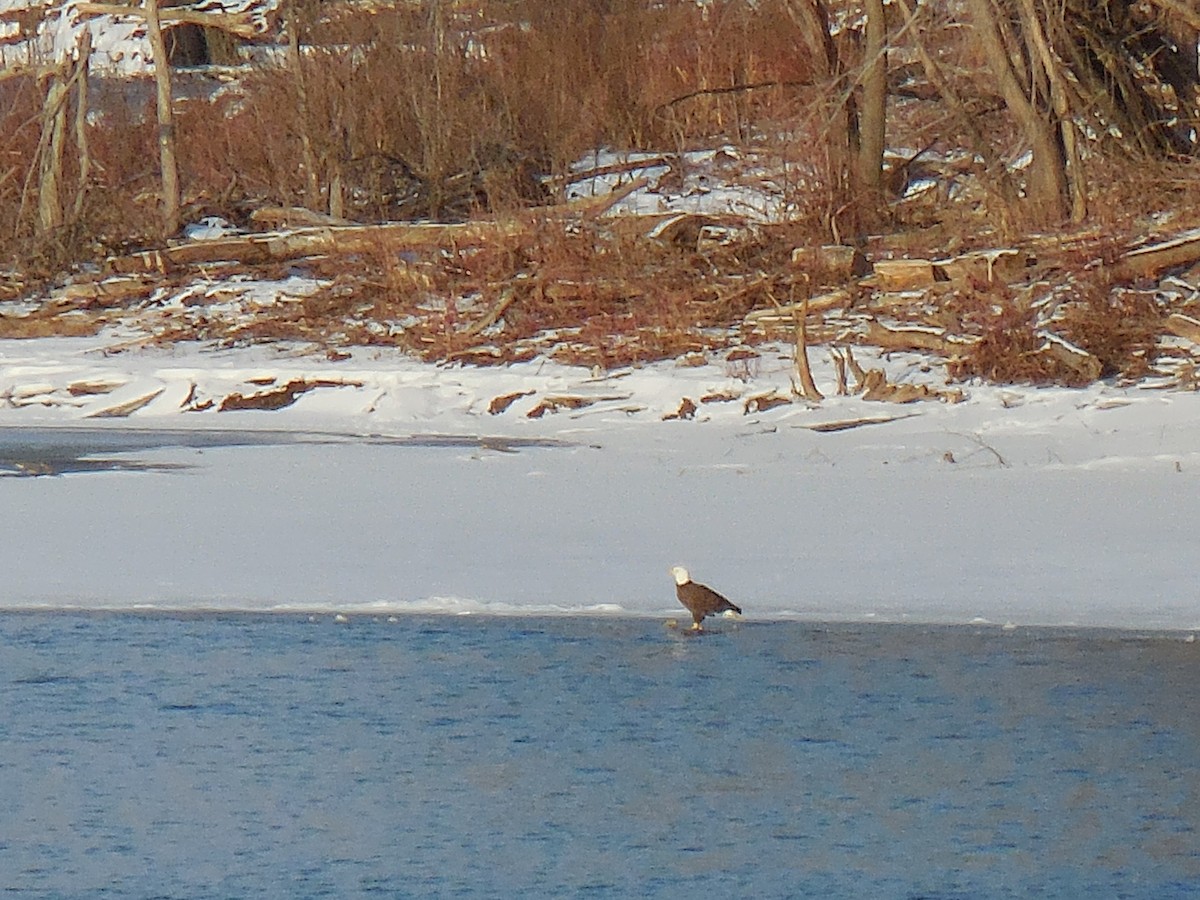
x=521 y=89
x=444 y=123
x=1120 y=327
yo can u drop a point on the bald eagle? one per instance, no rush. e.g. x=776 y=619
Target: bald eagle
x=700 y=600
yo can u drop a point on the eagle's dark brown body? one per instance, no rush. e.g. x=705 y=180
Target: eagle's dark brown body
x=699 y=599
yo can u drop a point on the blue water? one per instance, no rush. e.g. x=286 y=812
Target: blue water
x=273 y=756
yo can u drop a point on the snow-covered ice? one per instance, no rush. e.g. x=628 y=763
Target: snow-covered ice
x=390 y=487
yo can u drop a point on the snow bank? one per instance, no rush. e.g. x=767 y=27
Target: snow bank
x=1017 y=505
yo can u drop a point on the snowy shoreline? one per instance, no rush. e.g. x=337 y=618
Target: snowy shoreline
x=1021 y=505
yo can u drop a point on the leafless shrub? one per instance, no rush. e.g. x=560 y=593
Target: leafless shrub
x=1006 y=351
x=1118 y=326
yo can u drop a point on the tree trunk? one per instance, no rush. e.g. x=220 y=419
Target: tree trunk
x=308 y=158
x=1002 y=183
x=1043 y=57
x=842 y=133
x=166 y=121
x=54 y=121
x=81 y=111
x=1047 y=184
x=873 y=116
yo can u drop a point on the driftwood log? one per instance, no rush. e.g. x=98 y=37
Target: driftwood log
x=243 y=24
x=1184 y=327
x=255 y=249
x=1147 y=261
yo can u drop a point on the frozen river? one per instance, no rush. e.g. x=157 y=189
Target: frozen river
x=258 y=520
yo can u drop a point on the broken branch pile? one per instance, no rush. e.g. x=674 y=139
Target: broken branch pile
x=583 y=289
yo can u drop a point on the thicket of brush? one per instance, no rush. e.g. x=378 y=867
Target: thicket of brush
x=447 y=111
x=429 y=115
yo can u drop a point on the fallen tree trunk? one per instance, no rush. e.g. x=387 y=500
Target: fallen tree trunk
x=914 y=338
x=1184 y=327
x=785 y=313
x=254 y=249
x=243 y=24
x=1144 y=262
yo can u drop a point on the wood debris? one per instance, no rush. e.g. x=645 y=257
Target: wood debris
x=914 y=337
x=847 y=424
x=1071 y=357
x=836 y=262
x=256 y=249
x=875 y=386
x=554 y=404
x=278 y=397
x=686 y=410
x=1184 y=327
x=92 y=388
x=1149 y=260
x=128 y=407
x=984 y=266
x=785 y=314
x=512 y=287
x=504 y=401
x=902 y=274
x=763 y=402
x=278 y=217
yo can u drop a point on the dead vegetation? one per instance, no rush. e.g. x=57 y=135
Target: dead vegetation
x=607 y=294
x=486 y=108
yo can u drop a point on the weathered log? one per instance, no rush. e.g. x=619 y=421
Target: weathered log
x=1184 y=327
x=507 y=296
x=1144 y=262
x=127 y=407
x=914 y=337
x=106 y=294
x=763 y=402
x=569 y=401
x=838 y=261
x=243 y=25
x=847 y=424
x=252 y=249
x=902 y=274
x=785 y=313
x=260 y=248
x=618 y=168
x=983 y=265
x=594 y=207
x=279 y=396
x=504 y=401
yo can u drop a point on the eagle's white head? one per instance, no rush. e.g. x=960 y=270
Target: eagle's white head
x=681 y=574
